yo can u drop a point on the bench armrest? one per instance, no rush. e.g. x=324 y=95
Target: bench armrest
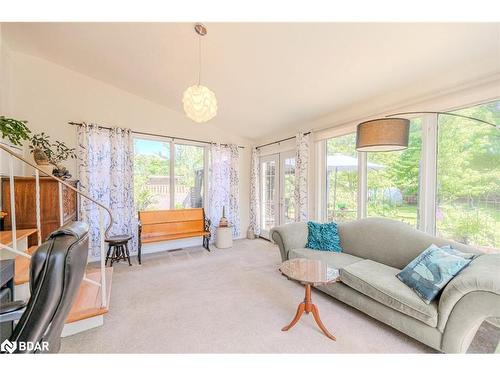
x=208 y=223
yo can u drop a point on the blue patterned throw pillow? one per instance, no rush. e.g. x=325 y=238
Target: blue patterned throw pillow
x=429 y=272
x=323 y=237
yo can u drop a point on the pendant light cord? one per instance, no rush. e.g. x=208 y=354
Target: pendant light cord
x=199 y=60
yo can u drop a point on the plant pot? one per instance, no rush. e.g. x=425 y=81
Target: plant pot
x=40 y=157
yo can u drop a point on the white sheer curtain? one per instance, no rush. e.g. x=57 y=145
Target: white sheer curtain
x=255 y=192
x=301 y=177
x=223 y=187
x=105 y=170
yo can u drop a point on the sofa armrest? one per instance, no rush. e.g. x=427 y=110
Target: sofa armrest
x=289 y=236
x=469 y=298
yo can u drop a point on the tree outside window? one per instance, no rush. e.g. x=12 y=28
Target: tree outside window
x=468 y=178
x=393 y=180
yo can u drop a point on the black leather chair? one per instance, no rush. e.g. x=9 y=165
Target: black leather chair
x=56 y=272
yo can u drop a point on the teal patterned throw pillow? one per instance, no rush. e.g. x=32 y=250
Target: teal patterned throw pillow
x=323 y=237
x=429 y=272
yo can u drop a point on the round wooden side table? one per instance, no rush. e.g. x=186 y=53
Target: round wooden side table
x=310 y=273
x=224 y=237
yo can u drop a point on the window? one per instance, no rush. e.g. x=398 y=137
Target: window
x=189 y=173
x=151 y=174
x=462 y=178
x=341 y=178
x=155 y=187
x=393 y=180
x=468 y=178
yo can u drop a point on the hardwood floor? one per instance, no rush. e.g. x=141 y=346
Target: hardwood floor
x=22 y=267
x=88 y=300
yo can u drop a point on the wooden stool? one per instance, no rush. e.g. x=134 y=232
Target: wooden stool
x=118 y=249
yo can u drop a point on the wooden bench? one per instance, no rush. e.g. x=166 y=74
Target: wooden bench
x=166 y=225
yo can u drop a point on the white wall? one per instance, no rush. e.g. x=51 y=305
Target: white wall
x=4 y=75
x=5 y=107
x=344 y=120
x=49 y=95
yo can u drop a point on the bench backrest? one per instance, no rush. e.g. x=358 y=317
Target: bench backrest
x=165 y=222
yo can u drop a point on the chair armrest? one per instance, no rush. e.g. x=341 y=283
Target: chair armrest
x=469 y=298
x=10 y=311
x=289 y=236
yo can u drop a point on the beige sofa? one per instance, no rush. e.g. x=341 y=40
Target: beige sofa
x=375 y=250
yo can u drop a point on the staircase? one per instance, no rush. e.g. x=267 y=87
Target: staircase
x=92 y=302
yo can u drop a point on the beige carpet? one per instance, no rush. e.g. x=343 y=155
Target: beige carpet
x=226 y=301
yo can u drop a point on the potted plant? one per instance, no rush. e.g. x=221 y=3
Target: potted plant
x=15 y=131
x=40 y=148
x=61 y=153
x=46 y=153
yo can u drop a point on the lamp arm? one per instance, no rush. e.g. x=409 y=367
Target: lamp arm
x=444 y=113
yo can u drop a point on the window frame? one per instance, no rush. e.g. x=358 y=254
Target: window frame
x=172 y=143
x=323 y=152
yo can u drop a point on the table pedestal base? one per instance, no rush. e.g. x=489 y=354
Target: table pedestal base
x=307 y=306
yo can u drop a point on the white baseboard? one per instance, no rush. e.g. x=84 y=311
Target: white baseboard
x=157 y=247
x=82 y=325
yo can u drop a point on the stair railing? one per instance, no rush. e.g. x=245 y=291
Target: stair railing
x=61 y=183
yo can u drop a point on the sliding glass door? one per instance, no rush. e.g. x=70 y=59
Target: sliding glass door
x=269 y=201
x=277 y=190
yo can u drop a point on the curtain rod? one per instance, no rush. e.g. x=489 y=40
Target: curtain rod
x=158 y=135
x=279 y=141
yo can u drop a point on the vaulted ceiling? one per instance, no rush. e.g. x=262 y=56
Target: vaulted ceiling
x=269 y=77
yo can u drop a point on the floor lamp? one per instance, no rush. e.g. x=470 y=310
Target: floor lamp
x=392 y=133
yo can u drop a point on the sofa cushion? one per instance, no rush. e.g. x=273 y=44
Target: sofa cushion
x=336 y=260
x=388 y=241
x=380 y=283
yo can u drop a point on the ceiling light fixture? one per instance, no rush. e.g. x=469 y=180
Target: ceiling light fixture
x=200 y=103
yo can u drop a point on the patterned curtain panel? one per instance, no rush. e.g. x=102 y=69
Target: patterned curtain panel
x=223 y=187
x=105 y=171
x=255 y=192
x=301 y=177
